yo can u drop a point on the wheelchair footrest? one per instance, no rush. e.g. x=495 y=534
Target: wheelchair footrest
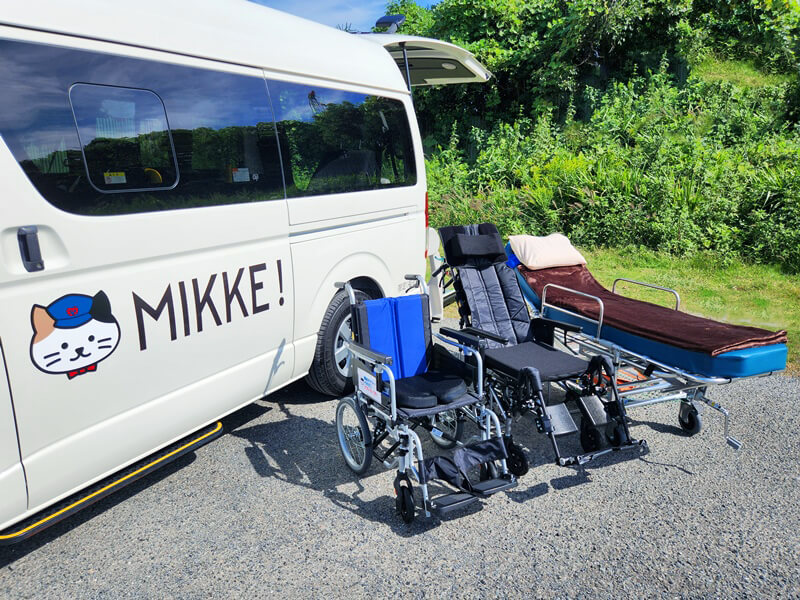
x=448 y=503
x=593 y=409
x=560 y=419
x=492 y=486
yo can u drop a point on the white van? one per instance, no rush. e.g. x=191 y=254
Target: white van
x=180 y=187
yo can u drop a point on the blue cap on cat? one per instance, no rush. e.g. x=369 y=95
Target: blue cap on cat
x=72 y=310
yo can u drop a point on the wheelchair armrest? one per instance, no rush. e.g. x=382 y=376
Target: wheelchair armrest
x=461 y=336
x=557 y=324
x=486 y=334
x=369 y=355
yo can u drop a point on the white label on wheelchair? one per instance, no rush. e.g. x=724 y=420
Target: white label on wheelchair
x=368 y=385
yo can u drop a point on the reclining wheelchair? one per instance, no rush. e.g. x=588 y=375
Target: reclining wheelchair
x=404 y=383
x=520 y=357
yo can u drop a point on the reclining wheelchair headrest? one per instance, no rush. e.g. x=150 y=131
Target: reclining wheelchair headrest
x=471 y=244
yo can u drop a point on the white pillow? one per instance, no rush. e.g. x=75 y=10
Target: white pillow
x=553 y=250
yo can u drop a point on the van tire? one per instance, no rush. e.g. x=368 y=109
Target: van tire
x=324 y=375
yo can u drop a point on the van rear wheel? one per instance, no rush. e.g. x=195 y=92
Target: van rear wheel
x=329 y=370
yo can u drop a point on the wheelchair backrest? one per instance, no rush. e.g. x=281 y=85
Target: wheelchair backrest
x=398 y=327
x=487 y=290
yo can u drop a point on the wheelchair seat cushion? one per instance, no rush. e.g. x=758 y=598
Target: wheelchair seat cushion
x=553 y=365
x=429 y=389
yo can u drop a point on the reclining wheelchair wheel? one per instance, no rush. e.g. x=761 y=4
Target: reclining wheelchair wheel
x=355 y=440
x=448 y=423
x=516 y=461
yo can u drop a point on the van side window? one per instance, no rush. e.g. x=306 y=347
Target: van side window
x=157 y=136
x=334 y=141
x=124 y=137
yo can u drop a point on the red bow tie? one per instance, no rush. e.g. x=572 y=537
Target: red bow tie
x=72 y=374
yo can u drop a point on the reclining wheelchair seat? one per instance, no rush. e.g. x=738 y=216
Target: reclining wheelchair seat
x=402 y=382
x=520 y=356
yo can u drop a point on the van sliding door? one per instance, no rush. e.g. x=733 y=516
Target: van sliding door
x=13 y=499
x=145 y=274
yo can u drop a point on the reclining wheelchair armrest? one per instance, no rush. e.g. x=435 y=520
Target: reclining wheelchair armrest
x=461 y=336
x=486 y=334
x=370 y=355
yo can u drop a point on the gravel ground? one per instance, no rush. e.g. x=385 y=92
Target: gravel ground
x=271 y=509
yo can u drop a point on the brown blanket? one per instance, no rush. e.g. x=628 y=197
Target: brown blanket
x=644 y=318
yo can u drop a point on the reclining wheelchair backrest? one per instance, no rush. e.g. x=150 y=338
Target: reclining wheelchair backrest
x=488 y=290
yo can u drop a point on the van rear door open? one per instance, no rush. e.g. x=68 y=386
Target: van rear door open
x=431 y=62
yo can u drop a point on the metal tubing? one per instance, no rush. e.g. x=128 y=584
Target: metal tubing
x=569 y=312
x=650 y=285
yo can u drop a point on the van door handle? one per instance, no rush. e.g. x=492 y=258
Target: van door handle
x=28 y=238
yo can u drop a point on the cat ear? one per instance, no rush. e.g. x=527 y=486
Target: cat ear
x=101 y=308
x=42 y=323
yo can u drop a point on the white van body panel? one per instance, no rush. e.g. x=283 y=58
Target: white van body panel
x=233 y=31
x=181 y=364
x=12 y=478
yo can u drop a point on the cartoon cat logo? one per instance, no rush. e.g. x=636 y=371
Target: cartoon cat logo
x=73 y=334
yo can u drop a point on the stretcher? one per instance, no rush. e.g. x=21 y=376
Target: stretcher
x=661 y=354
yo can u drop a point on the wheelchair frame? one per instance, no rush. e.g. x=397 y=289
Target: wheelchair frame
x=386 y=422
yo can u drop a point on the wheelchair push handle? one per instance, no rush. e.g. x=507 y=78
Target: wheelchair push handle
x=345 y=285
x=420 y=281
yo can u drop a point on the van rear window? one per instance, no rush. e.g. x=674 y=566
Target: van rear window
x=341 y=141
x=124 y=138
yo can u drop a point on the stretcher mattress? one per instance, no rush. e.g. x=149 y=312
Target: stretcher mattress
x=695 y=344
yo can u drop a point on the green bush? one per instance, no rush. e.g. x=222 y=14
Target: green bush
x=707 y=167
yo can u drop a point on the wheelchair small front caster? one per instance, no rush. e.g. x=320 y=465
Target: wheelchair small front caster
x=690 y=420
x=516 y=462
x=616 y=436
x=404 y=503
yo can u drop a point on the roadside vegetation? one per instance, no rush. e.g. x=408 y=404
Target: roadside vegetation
x=669 y=125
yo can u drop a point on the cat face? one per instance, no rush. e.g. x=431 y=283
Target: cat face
x=73 y=334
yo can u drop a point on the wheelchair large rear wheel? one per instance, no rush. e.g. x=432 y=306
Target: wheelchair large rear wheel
x=447 y=422
x=355 y=440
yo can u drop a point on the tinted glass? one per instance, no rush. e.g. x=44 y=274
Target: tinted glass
x=336 y=141
x=223 y=138
x=124 y=137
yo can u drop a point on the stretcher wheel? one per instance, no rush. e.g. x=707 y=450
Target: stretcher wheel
x=449 y=423
x=690 y=420
x=355 y=440
x=516 y=462
x=404 y=503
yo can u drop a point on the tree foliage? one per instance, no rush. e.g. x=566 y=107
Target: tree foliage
x=670 y=124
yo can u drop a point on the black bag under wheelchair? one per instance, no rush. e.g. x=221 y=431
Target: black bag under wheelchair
x=405 y=383
x=520 y=357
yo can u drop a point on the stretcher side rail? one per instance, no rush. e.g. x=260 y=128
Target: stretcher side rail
x=649 y=285
x=598 y=322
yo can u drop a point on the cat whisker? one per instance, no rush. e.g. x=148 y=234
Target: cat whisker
x=51 y=355
x=53 y=362
x=108 y=339
x=99 y=347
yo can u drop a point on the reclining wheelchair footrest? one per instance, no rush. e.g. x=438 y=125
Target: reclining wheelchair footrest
x=592 y=408
x=560 y=419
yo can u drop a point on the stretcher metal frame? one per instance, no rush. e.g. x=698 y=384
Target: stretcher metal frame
x=655 y=381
